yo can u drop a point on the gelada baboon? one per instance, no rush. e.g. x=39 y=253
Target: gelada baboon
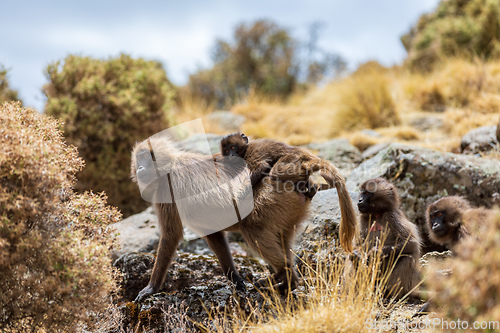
x=261 y=157
x=294 y=165
x=385 y=228
x=452 y=218
x=269 y=228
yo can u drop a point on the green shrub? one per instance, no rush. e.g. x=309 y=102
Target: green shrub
x=262 y=58
x=106 y=106
x=365 y=101
x=55 y=269
x=6 y=94
x=472 y=291
x=456 y=28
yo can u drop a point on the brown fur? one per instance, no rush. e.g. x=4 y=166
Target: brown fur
x=269 y=229
x=293 y=164
x=459 y=220
x=382 y=221
x=262 y=157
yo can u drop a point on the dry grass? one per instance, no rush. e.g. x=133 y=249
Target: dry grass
x=292 y=123
x=427 y=94
x=458 y=122
x=324 y=303
x=404 y=133
x=365 y=101
x=363 y=141
x=332 y=298
x=375 y=97
x=188 y=108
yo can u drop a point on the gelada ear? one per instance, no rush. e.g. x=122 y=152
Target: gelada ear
x=244 y=137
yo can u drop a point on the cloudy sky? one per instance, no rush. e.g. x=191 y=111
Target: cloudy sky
x=181 y=34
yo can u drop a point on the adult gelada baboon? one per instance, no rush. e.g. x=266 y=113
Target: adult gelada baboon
x=261 y=155
x=385 y=228
x=269 y=228
x=450 y=219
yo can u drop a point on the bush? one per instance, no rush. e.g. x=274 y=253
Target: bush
x=472 y=291
x=365 y=101
x=6 y=94
x=455 y=83
x=106 y=106
x=462 y=82
x=426 y=92
x=55 y=271
x=456 y=28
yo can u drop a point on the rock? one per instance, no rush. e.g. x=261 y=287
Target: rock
x=194 y=285
x=479 y=140
x=227 y=121
x=201 y=143
x=133 y=267
x=338 y=151
x=320 y=229
x=423 y=176
x=137 y=233
x=426 y=123
x=192 y=243
x=373 y=150
x=370 y=132
x=434 y=255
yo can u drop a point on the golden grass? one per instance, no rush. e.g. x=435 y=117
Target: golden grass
x=363 y=141
x=458 y=122
x=294 y=124
x=461 y=81
x=333 y=297
x=365 y=101
x=374 y=97
x=325 y=303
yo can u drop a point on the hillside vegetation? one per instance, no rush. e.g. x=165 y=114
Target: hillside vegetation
x=55 y=271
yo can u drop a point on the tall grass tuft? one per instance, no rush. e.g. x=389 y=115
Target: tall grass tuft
x=365 y=101
x=334 y=297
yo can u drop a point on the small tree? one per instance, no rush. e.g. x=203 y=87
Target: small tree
x=456 y=28
x=55 y=269
x=263 y=57
x=106 y=106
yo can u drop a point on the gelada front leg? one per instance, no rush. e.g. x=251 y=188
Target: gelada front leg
x=218 y=243
x=168 y=244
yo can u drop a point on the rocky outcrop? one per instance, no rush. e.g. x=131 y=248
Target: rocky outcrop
x=194 y=287
x=227 y=121
x=201 y=143
x=423 y=176
x=338 y=151
x=479 y=140
x=137 y=233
